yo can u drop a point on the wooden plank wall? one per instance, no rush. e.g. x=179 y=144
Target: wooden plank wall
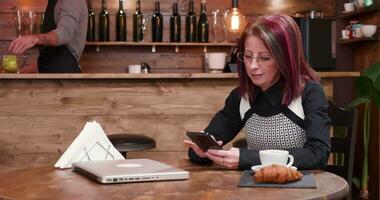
x=40 y=118
x=165 y=60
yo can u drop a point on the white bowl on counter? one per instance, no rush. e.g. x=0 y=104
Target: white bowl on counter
x=368 y=30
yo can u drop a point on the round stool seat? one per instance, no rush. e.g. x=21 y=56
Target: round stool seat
x=131 y=142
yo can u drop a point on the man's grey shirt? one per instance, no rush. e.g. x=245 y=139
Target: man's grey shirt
x=70 y=16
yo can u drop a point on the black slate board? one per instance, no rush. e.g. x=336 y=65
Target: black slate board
x=307 y=181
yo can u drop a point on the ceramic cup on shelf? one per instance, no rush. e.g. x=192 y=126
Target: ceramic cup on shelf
x=358 y=32
x=345 y=34
x=349 y=7
x=278 y=157
x=359 y=3
x=216 y=61
x=368 y=30
x=134 y=69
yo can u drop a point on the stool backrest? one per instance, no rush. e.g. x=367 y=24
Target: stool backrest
x=343 y=140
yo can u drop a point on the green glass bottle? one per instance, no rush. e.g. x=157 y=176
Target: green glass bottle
x=175 y=25
x=121 y=23
x=202 y=29
x=42 y=21
x=137 y=23
x=157 y=24
x=90 y=22
x=104 y=23
x=191 y=24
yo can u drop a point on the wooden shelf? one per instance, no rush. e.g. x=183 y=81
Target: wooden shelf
x=176 y=45
x=360 y=11
x=152 y=75
x=160 y=44
x=194 y=44
x=357 y=40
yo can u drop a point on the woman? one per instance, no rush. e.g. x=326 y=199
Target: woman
x=279 y=102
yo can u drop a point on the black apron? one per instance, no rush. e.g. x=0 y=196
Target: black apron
x=55 y=59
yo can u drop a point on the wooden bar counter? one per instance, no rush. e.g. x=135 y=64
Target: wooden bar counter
x=41 y=114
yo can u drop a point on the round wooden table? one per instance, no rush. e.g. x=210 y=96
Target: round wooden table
x=206 y=182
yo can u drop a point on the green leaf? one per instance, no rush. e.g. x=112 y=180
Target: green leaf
x=373 y=73
x=375 y=94
x=363 y=86
x=368 y=84
x=357 y=102
x=356 y=182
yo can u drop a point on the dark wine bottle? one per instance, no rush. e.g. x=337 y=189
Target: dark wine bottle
x=191 y=24
x=42 y=21
x=104 y=23
x=202 y=30
x=121 y=23
x=90 y=22
x=137 y=23
x=157 y=24
x=175 y=25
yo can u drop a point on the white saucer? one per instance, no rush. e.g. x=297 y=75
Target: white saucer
x=258 y=167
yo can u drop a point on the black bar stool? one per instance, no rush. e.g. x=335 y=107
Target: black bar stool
x=131 y=142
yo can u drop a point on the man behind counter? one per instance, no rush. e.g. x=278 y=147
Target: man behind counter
x=62 y=39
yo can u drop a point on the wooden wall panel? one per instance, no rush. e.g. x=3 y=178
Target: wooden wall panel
x=116 y=97
x=40 y=118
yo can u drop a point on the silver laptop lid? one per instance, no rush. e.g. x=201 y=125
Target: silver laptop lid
x=129 y=170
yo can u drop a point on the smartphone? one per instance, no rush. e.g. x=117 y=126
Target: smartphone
x=203 y=140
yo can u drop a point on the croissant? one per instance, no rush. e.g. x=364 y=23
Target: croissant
x=277 y=174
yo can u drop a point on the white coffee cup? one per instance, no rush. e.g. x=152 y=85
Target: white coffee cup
x=278 y=157
x=345 y=34
x=134 y=69
x=358 y=33
x=216 y=61
x=349 y=7
x=359 y=3
x=368 y=30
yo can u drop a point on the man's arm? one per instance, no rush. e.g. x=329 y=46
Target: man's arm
x=23 y=43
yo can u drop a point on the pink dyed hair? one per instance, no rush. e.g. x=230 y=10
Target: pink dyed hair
x=282 y=38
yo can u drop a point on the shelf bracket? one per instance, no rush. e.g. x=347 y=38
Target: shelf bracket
x=97 y=48
x=176 y=49
x=153 y=48
x=204 y=49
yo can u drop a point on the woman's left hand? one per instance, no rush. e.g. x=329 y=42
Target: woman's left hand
x=228 y=158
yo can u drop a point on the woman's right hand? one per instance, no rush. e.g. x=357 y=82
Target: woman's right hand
x=195 y=148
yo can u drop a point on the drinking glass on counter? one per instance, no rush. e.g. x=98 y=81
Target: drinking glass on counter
x=25 y=22
x=218 y=26
x=12 y=63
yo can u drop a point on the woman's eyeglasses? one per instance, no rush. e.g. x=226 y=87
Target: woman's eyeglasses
x=248 y=58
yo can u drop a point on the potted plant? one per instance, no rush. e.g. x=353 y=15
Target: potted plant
x=368 y=91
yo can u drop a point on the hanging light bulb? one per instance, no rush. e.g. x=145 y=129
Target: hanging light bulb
x=235 y=20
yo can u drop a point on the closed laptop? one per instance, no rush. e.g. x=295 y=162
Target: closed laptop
x=129 y=170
